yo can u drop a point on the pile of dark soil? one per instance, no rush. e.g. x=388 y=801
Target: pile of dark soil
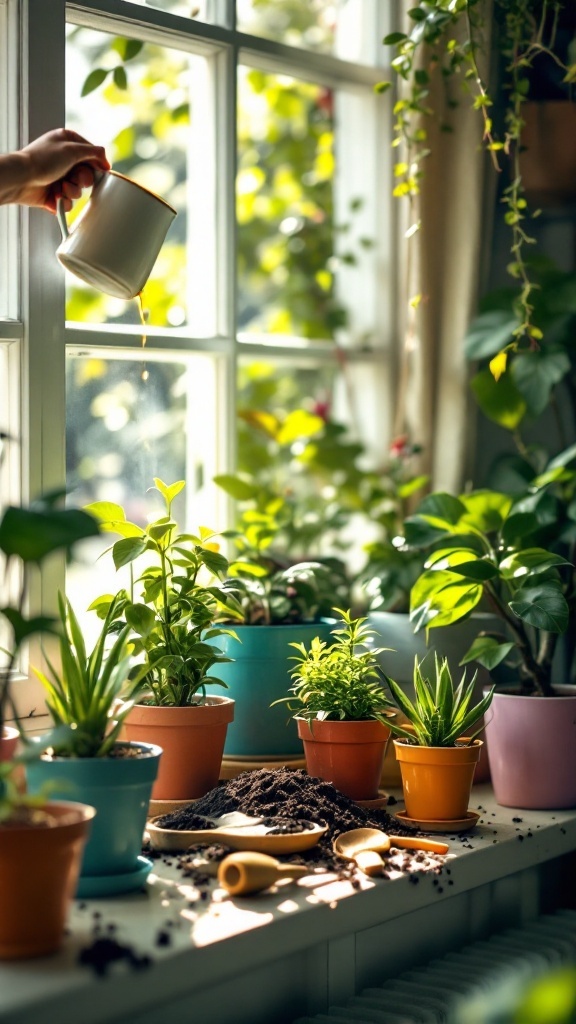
x=285 y=794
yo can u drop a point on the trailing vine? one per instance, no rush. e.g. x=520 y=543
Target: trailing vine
x=446 y=37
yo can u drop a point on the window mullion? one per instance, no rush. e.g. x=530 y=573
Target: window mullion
x=227 y=297
x=43 y=364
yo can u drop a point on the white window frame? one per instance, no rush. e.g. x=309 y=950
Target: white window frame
x=38 y=92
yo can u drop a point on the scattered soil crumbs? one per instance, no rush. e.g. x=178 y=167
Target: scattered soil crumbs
x=104 y=952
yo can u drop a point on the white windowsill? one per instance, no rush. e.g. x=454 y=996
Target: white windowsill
x=306 y=944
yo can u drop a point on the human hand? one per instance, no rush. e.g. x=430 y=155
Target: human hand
x=56 y=165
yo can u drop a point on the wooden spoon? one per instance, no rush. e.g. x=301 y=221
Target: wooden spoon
x=364 y=845
x=248 y=834
x=244 y=873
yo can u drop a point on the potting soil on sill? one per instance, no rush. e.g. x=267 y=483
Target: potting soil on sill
x=285 y=793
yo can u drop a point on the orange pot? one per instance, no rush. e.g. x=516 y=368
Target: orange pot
x=437 y=781
x=350 y=755
x=39 y=868
x=192 y=740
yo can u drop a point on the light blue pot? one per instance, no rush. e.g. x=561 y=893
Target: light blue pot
x=259 y=675
x=119 y=789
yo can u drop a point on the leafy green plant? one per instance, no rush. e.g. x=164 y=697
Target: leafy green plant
x=90 y=693
x=172 y=620
x=392 y=566
x=497 y=551
x=446 y=38
x=269 y=595
x=28 y=536
x=440 y=713
x=535 y=379
x=338 y=681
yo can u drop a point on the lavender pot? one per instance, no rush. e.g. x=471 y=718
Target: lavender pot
x=532 y=749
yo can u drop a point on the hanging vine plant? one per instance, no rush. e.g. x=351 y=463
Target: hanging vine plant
x=447 y=37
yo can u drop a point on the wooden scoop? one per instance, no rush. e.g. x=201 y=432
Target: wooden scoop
x=244 y=873
x=364 y=845
x=238 y=831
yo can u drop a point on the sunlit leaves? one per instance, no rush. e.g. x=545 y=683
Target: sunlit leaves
x=94 y=79
x=499 y=400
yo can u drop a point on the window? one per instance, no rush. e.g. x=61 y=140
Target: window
x=258 y=122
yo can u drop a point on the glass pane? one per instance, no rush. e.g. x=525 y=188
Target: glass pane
x=128 y=422
x=297 y=442
x=340 y=27
x=200 y=10
x=285 y=203
x=137 y=103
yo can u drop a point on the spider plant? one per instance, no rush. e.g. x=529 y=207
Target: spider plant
x=90 y=693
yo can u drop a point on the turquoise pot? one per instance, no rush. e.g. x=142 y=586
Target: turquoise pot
x=119 y=788
x=260 y=674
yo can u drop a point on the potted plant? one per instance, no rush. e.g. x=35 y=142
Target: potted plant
x=498 y=549
x=340 y=707
x=171 y=623
x=437 y=758
x=92 y=694
x=41 y=840
x=277 y=606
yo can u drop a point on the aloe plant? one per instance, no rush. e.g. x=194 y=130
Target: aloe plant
x=440 y=713
x=90 y=693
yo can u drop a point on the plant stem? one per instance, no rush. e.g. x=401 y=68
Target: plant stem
x=533 y=676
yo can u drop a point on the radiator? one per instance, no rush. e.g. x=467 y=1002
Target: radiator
x=479 y=984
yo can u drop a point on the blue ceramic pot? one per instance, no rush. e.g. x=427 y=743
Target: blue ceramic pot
x=119 y=788
x=260 y=674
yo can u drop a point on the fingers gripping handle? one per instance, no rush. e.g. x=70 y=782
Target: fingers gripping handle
x=61 y=212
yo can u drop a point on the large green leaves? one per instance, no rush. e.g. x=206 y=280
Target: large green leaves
x=499 y=400
x=33 y=533
x=543 y=606
x=440 y=597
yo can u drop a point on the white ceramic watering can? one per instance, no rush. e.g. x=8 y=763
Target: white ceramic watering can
x=117 y=237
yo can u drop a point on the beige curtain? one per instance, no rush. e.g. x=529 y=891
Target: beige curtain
x=441 y=262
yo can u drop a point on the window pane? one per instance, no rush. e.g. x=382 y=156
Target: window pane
x=141 y=113
x=340 y=27
x=200 y=10
x=297 y=441
x=285 y=206
x=128 y=422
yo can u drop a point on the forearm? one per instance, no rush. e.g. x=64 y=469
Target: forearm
x=13 y=177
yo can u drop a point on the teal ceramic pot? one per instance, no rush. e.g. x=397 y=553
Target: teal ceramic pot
x=259 y=675
x=119 y=788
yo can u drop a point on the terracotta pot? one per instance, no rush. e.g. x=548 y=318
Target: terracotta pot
x=396 y=633
x=548 y=154
x=39 y=868
x=347 y=754
x=437 y=781
x=8 y=743
x=192 y=740
x=532 y=749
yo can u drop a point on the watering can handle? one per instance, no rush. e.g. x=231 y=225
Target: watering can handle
x=61 y=213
